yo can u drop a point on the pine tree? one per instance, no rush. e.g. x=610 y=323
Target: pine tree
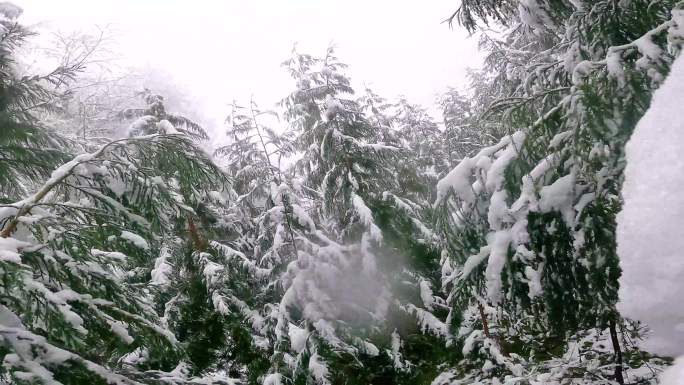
x=425 y=155
x=271 y=229
x=154 y=118
x=464 y=133
x=349 y=170
x=29 y=150
x=139 y=260
x=77 y=251
x=182 y=280
x=539 y=207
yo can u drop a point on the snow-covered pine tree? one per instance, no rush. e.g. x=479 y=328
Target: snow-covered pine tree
x=210 y=288
x=154 y=118
x=244 y=279
x=456 y=117
x=404 y=216
x=250 y=155
x=77 y=250
x=529 y=223
x=29 y=151
x=247 y=275
x=75 y=254
x=378 y=112
x=334 y=136
x=337 y=296
x=425 y=155
x=339 y=300
x=464 y=134
x=181 y=280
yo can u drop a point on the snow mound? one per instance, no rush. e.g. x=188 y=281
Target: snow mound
x=135 y=239
x=651 y=224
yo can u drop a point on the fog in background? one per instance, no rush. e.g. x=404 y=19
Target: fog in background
x=218 y=51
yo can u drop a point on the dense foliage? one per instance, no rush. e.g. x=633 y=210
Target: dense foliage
x=355 y=241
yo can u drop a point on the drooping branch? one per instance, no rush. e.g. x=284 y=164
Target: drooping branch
x=24 y=206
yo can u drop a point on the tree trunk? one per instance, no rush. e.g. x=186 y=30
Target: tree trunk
x=487 y=333
x=618 y=353
x=199 y=243
x=485 y=324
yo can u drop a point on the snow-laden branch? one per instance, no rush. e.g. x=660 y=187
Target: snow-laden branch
x=644 y=44
x=32 y=355
x=23 y=207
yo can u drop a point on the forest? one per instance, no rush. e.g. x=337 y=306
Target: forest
x=529 y=235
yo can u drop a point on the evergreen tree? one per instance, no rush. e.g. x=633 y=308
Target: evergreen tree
x=28 y=150
x=182 y=280
x=342 y=250
x=528 y=223
x=424 y=153
x=154 y=118
x=78 y=250
x=355 y=178
x=464 y=134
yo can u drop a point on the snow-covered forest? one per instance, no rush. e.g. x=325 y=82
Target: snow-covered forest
x=528 y=234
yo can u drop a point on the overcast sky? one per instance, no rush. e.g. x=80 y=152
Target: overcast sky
x=225 y=50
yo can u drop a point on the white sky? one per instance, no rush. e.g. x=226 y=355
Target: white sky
x=225 y=50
